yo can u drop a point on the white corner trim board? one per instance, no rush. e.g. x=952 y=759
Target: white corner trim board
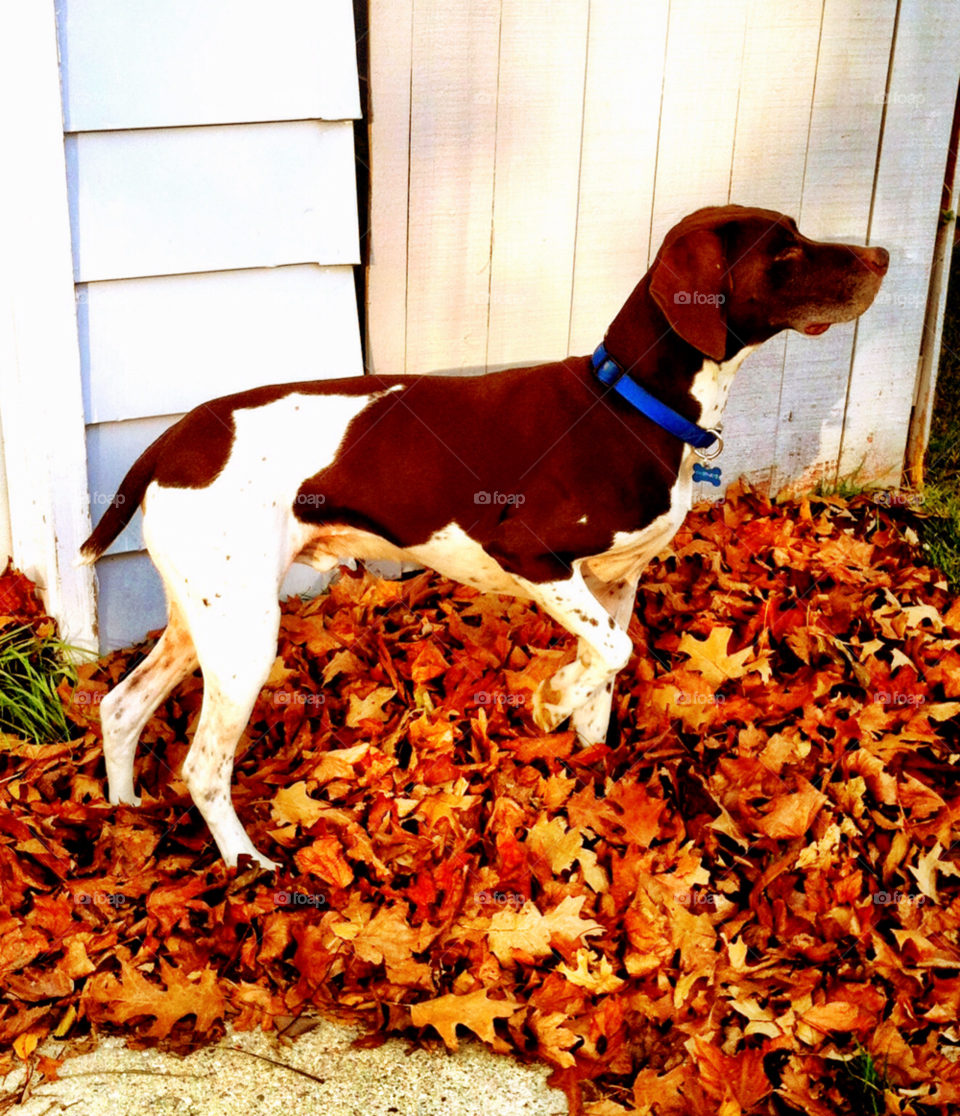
x=39 y=354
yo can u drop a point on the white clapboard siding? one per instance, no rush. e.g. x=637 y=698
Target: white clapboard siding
x=391 y=64
x=621 y=116
x=212 y=191
x=852 y=66
x=452 y=157
x=150 y=65
x=769 y=163
x=919 y=111
x=540 y=114
x=130 y=601
x=160 y=346
x=112 y=447
x=166 y=201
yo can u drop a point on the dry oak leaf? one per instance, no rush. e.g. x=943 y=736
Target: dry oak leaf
x=664 y=1090
x=791 y=815
x=343 y=662
x=369 y=708
x=389 y=938
x=278 y=673
x=293 y=806
x=919 y=799
x=593 y=972
x=474 y=1010
x=529 y=932
x=926 y=870
x=339 y=764
x=550 y=840
x=427 y=663
x=324 y=858
x=555 y=1038
x=19 y=945
x=836 y=1016
x=35 y=985
x=442 y=805
x=687 y=696
x=121 y=999
x=709 y=657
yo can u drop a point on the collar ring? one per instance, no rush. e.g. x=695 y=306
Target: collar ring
x=708 y=453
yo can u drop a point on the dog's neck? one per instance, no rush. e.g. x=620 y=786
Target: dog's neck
x=642 y=342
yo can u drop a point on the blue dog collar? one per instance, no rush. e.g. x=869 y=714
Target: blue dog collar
x=611 y=374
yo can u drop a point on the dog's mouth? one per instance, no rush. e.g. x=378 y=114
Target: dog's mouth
x=814 y=329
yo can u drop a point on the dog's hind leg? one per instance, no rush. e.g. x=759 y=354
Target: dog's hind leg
x=237 y=644
x=126 y=709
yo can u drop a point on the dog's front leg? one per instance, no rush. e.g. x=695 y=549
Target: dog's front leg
x=602 y=650
x=592 y=720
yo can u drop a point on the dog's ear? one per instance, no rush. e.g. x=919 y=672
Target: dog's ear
x=688 y=285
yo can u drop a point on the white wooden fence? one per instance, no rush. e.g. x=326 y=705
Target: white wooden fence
x=528 y=157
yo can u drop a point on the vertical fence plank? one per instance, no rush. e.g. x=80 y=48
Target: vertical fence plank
x=919 y=102
x=452 y=151
x=625 y=60
x=838 y=184
x=539 y=118
x=391 y=24
x=773 y=122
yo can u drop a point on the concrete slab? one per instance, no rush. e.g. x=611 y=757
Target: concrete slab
x=254 y=1074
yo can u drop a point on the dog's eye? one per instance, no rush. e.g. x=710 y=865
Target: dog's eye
x=794 y=252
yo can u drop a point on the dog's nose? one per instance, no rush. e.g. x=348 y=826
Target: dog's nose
x=877 y=259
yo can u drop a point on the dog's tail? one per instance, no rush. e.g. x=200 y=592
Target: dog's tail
x=124 y=504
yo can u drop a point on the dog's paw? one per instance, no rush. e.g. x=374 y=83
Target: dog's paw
x=547 y=715
x=247 y=849
x=126 y=799
x=266 y=863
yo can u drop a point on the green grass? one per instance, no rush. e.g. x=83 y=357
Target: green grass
x=941 y=532
x=863 y=1085
x=31 y=668
x=844 y=487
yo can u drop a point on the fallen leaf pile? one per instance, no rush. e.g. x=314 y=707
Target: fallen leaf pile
x=22 y=605
x=721 y=914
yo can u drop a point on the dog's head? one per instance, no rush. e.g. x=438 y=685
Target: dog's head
x=730 y=276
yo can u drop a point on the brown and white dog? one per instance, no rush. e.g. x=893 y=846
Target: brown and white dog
x=542 y=482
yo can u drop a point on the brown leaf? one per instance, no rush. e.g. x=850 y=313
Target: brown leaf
x=475 y=1011
x=792 y=814
x=324 y=858
x=132 y=996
